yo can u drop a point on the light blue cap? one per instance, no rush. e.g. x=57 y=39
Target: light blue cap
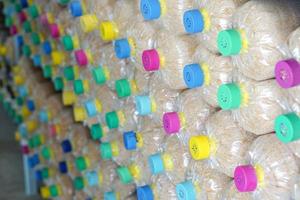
x=76 y=8
x=143 y=105
x=92 y=178
x=193 y=21
x=90 y=108
x=144 y=193
x=23 y=130
x=36 y=60
x=110 y=196
x=47 y=47
x=129 y=139
x=193 y=75
x=185 y=191
x=43 y=116
x=150 y=9
x=22 y=90
x=156 y=164
x=122 y=48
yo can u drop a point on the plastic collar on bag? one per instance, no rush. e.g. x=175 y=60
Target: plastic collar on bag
x=45 y=173
x=156 y=164
x=287 y=73
x=96 y=131
x=78 y=183
x=106 y=151
x=45 y=193
x=287 y=127
x=130 y=140
x=144 y=193
x=229 y=42
x=199 y=147
x=57 y=57
x=26 y=26
x=229 y=96
x=76 y=8
x=13 y=30
x=151 y=60
x=66 y=146
x=47 y=47
x=193 y=75
x=122 y=48
x=186 y=191
x=46 y=153
x=245 y=178
x=78 y=87
x=150 y=9
x=143 y=105
x=36 y=60
x=24 y=3
x=171 y=122
x=193 y=21
x=26 y=50
x=110 y=196
x=35 y=38
x=63 y=168
x=123 y=88
x=43 y=116
x=22 y=17
x=69 y=73
x=38 y=175
x=19 y=40
x=124 y=175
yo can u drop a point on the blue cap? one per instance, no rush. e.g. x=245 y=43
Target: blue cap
x=150 y=9
x=193 y=21
x=143 y=105
x=38 y=175
x=30 y=105
x=66 y=146
x=90 y=108
x=186 y=191
x=92 y=178
x=43 y=116
x=22 y=90
x=122 y=48
x=110 y=196
x=129 y=139
x=193 y=76
x=47 y=47
x=36 y=60
x=156 y=163
x=19 y=40
x=34 y=160
x=23 y=130
x=144 y=193
x=24 y=3
x=76 y=8
x=63 y=168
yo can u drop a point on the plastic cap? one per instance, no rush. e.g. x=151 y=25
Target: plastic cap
x=26 y=50
x=20 y=40
x=45 y=173
x=79 y=113
x=90 y=107
x=43 y=116
x=143 y=105
x=66 y=146
x=18 y=7
x=186 y=191
x=92 y=178
x=78 y=87
x=245 y=178
x=38 y=175
x=54 y=31
x=229 y=42
x=287 y=127
x=68 y=98
x=78 y=183
x=199 y=147
x=69 y=73
x=67 y=42
x=96 y=131
x=193 y=76
x=80 y=163
x=108 y=31
x=57 y=57
x=171 y=122
x=47 y=47
x=229 y=96
x=81 y=58
x=47 y=71
x=88 y=22
x=13 y=30
x=287 y=73
x=76 y=8
x=46 y=153
x=63 y=168
x=30 y=105
x=123 y=88
x=27 y=27
x=193 y=21
x=150 y=9
x=144 y=193
x=156 y=164
x=124 y=175
x=24 y=3
x=58 y=84
x=99 y=75
x=54 y=192
x=22 y=17
x=33 y=11
x=63 y=2
x=130 y=140
x=45 y=193
x=37 y=60
x=122 y=48
x=150 y=59
x=110 y=196
x=106 y=151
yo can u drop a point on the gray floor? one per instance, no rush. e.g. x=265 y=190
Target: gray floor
x=11 y=167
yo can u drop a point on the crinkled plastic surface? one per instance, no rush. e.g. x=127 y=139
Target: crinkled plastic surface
x=78 y=138
x=123 y=156
x=91 y=152
x=66 y=185
x=231 y=193
x=163 y=189
x=141 y=172
x=142 y=80
x=293 y=44
x=150 y=141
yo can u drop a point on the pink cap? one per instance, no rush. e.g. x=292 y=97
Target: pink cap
x=81 y=58
x=44 y=19
x=52 y=130
x=25 y=149
x=171 y=122
x=54 y=30
x=151 y=60
x=22 y=17
x=13 y=30
x=245 y=178
x=287 y=73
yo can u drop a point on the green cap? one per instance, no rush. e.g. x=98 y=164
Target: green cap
x=69 y=73
x=18 y=7
x=47 y=71
x=19 y=119
x=96 y=131
x=80 y=163
x=78 y=183
x=31 y=143
x=8 y=21
x=58 y=84
x=67 y=42
x=78 y=87
x=53 y=191
x=112 y=120
x=35 y=39
x=33 y=11
x=124 y=175
x=6 y=105
x=26 y=50
x=122 y=87
x=287 y=127
x=45 y=173
x=1 y=97
x=229 y=96
x=12 y=113
x=19 y=101
x=99 y=75
x=63 y=2
x=27 y=26
x=106 y=151
x=37 y=141
x=46 y=153
x=229 y=42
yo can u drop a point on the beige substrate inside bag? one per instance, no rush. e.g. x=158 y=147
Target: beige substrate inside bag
x=149 y=142
x=163 y=189
x=231 y=193
x=91 y=152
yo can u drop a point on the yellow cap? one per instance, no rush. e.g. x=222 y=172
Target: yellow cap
x=31 y=125
x=3 y=50
x=98 y=105
x=45 y=192
x=25 y=112
x=88 y=22
x=199 y=147
x=16 y=69
x=108 y=31
x=19 y=80
x=17 y=136
x=69 y=98
x=57 y=57
x=79 y=113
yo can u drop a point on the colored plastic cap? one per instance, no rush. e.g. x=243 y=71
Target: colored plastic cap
x=78 y=87
x=123 y=88
x=245 y=178
x=63 y=168
x=67 y=42
x=108 y=31
x=112 y=120
x=80 y=163
x=229 y=42
x=171 y=122
x=287 y=73
x=199 y=147
x=156 y=164
x=54 y=31
x=193 y=76
x=96 y=131
x=110 y=196
x=90 y=108
x=229 y=96
x=76 y=8
x=186 y=191
x=58 y=84
x=69 y=73
x=81 y=58
x=193 y=21
x=99 y=75
x=106 y=151
x=130 y=140
x=144 y=193
x=150 y=9
x=66 y=146
x=122 y=48
x=287 y=127
x=78 y=183
x=143 y=105
x=150 y=59
x=124 y=175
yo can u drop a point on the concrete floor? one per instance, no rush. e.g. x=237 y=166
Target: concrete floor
x=11 y=164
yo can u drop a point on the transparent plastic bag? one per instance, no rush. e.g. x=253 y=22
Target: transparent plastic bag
x=142 y=80
x=78 y=137
x=231 y=193
x=224 y=144
x=91 y=154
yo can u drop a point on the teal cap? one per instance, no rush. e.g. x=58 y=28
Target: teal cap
x=229 y=96
x=96 y=131
x=124 y=175
x=99 y=75
x=58 y=84
x=287 y=127
x=229 y=42
x=112 y=120
x=69 y=73
x=123 y=88
x=80 y=163
x=106 y=151
x=78 y=183
x=78 y=87
x=186 y=191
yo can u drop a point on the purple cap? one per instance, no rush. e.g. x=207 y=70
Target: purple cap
x=287 y=73
x=171 y=122
x=151 y=60
x=81 y=57
x=13 y=30
x=245 y=178
x=54 y=30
